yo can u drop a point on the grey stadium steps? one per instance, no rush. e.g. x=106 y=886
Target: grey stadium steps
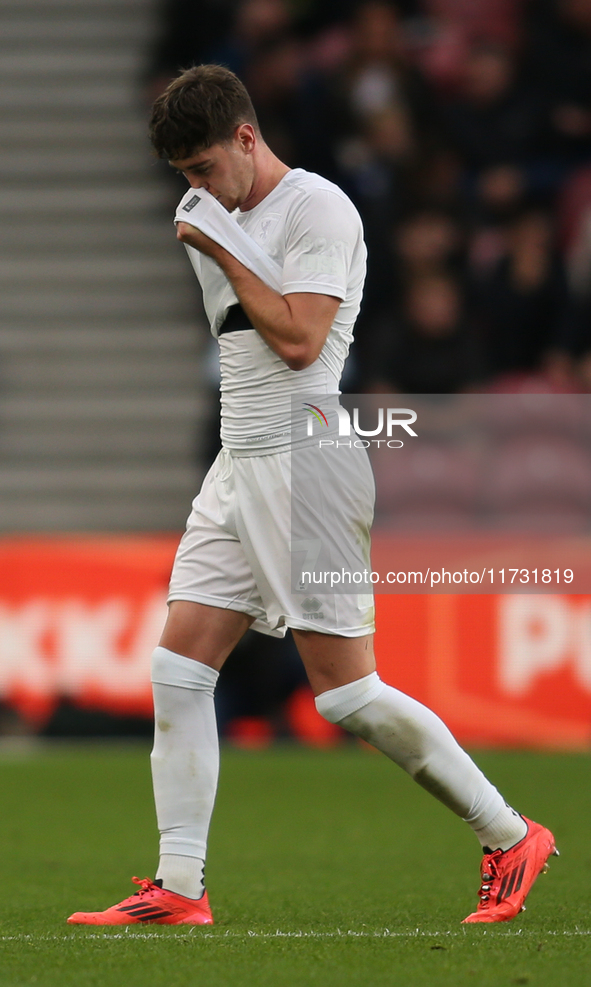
x=101 y=337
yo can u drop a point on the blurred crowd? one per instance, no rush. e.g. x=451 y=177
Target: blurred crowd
x=462 y=131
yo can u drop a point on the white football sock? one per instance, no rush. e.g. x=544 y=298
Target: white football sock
x=417 y=740
x=185 y=764
x=181 y=874
x=504 y=831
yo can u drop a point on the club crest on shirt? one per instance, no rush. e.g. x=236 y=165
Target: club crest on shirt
x=265 y=227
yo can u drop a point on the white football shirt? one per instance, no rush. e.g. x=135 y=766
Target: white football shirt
x=313 y=231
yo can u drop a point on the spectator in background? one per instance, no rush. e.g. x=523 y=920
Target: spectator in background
x=559 y=64
x=432 y=347
x=273 y=80
x=256 y=681
x=428 y=239
x=255 y=24
x=497 y=20
x=574 y=223
x=521 y=301
x=228 y=31
x=442 y=38
x=494 y=124
x=373 y=105
x=366 y=122
x=188 y=31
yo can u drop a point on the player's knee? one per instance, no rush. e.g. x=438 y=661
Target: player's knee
x=336 y=704
x=168 y=668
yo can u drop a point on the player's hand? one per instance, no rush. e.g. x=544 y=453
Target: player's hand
x=195 y=238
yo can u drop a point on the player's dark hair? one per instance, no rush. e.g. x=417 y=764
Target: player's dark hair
x=202 y=107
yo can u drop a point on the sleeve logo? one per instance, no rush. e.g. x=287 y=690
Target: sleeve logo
x=191 y=203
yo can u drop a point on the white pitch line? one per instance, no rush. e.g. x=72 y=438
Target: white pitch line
x=385 y=934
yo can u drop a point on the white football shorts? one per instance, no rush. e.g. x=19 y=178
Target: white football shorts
x=249 y=535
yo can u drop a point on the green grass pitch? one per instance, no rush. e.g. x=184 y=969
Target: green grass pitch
x=326 y=868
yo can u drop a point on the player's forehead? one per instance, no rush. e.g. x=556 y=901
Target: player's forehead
x=198 y=159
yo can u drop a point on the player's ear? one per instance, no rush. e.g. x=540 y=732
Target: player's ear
x=246 y=136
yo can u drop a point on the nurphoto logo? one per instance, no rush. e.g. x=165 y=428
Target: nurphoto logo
x=390 y=418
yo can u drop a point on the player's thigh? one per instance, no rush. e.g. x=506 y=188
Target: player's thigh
x=205 y=633
x=331 y=661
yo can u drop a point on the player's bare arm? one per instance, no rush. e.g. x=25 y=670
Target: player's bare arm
x=295 y=326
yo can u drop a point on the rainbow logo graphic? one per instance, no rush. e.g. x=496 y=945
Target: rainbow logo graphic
x=317 y=414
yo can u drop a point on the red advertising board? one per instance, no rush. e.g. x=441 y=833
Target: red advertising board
x=80 y=616
x=79 y=619
x=500 y=670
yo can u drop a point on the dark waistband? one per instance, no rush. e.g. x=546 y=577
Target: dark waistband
x=236 y=320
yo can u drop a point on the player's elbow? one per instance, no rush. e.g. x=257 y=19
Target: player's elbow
x=297 y=363
x=299 y=359
x=183 y=232
x=301 y=355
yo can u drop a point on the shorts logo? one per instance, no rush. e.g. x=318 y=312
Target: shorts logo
x=312 y=606
x=191 y=203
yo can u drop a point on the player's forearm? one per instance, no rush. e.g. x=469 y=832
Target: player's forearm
x=294 y=326
x=270 y=314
